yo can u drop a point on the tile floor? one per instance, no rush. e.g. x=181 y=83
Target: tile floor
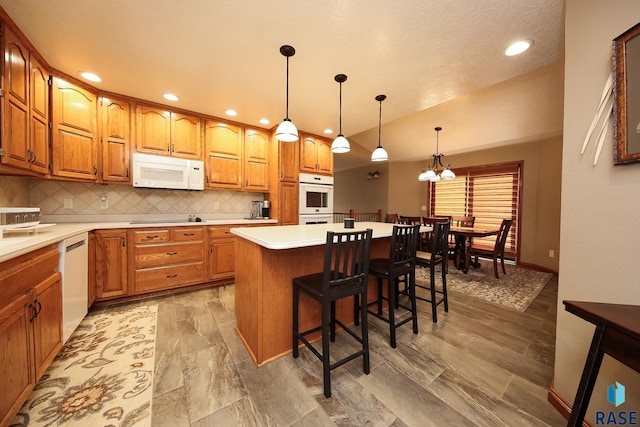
x=479 y=365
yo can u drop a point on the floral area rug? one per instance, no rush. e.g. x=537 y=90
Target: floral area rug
x=516 y=290
x=103 y=375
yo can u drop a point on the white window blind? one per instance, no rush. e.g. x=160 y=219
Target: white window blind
x=490 y=193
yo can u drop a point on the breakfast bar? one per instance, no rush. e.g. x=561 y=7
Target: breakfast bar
x=267 y=260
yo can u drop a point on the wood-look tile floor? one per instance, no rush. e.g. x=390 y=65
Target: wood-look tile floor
x=479 y=365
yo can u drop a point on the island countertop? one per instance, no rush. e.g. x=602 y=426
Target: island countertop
x=300 y=236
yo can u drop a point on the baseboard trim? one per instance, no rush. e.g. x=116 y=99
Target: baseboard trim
x=538 y=268
x=561 y=405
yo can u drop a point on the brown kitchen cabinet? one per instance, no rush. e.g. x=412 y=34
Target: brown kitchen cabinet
x=165 y=258
x=167 y=133
x=288 y=203
x=256 y=160
x=30 y=324
x=111 y=263
x=221 y=258
x=74 y=133
x=315 y=155
x=223 y=150
x=25 y=125
x=115 y=123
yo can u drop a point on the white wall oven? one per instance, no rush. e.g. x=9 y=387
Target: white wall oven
x=315 y=199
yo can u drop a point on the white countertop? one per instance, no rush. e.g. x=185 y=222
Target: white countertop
x=17 y=243
x=300 y=236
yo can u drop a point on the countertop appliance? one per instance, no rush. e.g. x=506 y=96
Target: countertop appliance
x=151 y=171
x=74 y=267
x=315 y=199
x=17 y=218
x=260 y=209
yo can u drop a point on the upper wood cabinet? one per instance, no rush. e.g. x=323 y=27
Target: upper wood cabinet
x=115 y=118
x=74 y=139
x=288 y=161
x=315 y=155
x=256 y=160
x=25 y=125
x=167 y=133
x=223 y=151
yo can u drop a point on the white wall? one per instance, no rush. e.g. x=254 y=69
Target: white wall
x=600 y=219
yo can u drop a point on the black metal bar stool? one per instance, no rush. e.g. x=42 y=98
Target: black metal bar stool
x=401 y=262
x=346 y=262
x=438 y=255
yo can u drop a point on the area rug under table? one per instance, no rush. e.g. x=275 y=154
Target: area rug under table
x=516 y=290
x=103 y=376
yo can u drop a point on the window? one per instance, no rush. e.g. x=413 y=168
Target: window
x=490 y=193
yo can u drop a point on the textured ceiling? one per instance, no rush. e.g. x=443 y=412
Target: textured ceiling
x=225 y=53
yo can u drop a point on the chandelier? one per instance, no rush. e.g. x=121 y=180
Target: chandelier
x=432 y=173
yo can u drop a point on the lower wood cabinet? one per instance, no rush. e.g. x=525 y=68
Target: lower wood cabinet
x=111 y=263
x=221 y=256
x=165 y=258
x=30 y=324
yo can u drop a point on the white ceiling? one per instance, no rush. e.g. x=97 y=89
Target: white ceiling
x=219 y=54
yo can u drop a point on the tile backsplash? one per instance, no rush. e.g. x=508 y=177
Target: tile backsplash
x=86 y=199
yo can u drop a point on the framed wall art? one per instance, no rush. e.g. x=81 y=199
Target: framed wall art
x=626 y=67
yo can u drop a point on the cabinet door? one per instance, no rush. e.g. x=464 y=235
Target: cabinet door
x=185 y=136
x=15 y=123
x=256 y=160
x=114 y=137
x=74 y=131
x=288 y=192
x=48 y=323
x=308 y=154
x=39 y=118
x=222 y=258
x=111 y=263
x=223 y=145
x=325 y=157
x=153 y=130
x=288 y=160
x=17 y=375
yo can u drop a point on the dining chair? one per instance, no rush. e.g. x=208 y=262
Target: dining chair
x=346 y=263
x=437 y=255
x=454 y=246
x=391 y=218
x=498 y=248
x=400 y=263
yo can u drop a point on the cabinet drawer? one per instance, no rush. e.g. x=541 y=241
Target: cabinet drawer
x=188 y=233
x=167 y=254
x=151 y=236
x=220 y=232
x=152 y=279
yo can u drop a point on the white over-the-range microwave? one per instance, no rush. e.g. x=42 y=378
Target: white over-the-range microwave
x=152 y=171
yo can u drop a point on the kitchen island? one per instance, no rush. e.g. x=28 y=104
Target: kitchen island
x=267 y=260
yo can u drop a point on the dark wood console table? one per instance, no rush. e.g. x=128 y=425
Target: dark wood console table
x=617 y=334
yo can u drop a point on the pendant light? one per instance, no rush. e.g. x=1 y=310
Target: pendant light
x=340 y=144
x=287 y=131
x=432 y=173
x=379 y=154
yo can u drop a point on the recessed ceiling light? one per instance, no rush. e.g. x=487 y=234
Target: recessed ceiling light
x=264 y=121
x=230 y=112
x=518 y=47
x=91 y=77
x=171 y=97
x=328 y=131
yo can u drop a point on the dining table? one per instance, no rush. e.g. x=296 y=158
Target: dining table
x=463 y=239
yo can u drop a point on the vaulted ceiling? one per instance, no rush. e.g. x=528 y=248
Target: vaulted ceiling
x=220 y=54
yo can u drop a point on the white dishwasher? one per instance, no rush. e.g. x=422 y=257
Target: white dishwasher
x=74 y=267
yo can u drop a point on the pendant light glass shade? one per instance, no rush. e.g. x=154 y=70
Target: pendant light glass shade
x=340 y=144
x=432 y=173
x=380 y=154
x=287 y=131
